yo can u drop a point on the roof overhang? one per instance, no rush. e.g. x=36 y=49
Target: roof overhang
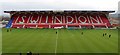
x=66 y=11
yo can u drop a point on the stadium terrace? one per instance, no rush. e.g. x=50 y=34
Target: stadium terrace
x=51 y=19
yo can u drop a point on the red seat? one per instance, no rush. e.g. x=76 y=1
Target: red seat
x=49 y=21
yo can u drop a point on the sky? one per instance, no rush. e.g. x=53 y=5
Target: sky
x=59 y=5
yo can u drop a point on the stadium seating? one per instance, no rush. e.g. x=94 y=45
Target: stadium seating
x=51 y=21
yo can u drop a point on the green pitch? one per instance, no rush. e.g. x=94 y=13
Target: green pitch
x=65 y=41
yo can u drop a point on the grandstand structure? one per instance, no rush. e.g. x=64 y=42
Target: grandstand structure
x=115 y=18
x=51 y=19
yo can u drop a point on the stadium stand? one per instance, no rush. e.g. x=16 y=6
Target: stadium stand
x=38 y=20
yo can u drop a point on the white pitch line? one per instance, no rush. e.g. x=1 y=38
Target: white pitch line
x=56 y=43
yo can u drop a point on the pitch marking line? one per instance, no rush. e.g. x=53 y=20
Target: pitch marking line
x=56 y=43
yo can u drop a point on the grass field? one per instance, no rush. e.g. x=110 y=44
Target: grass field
x=0 y=40
x=65 y=41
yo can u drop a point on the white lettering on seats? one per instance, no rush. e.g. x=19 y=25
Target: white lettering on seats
x=80 y=18
x=68 y=18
